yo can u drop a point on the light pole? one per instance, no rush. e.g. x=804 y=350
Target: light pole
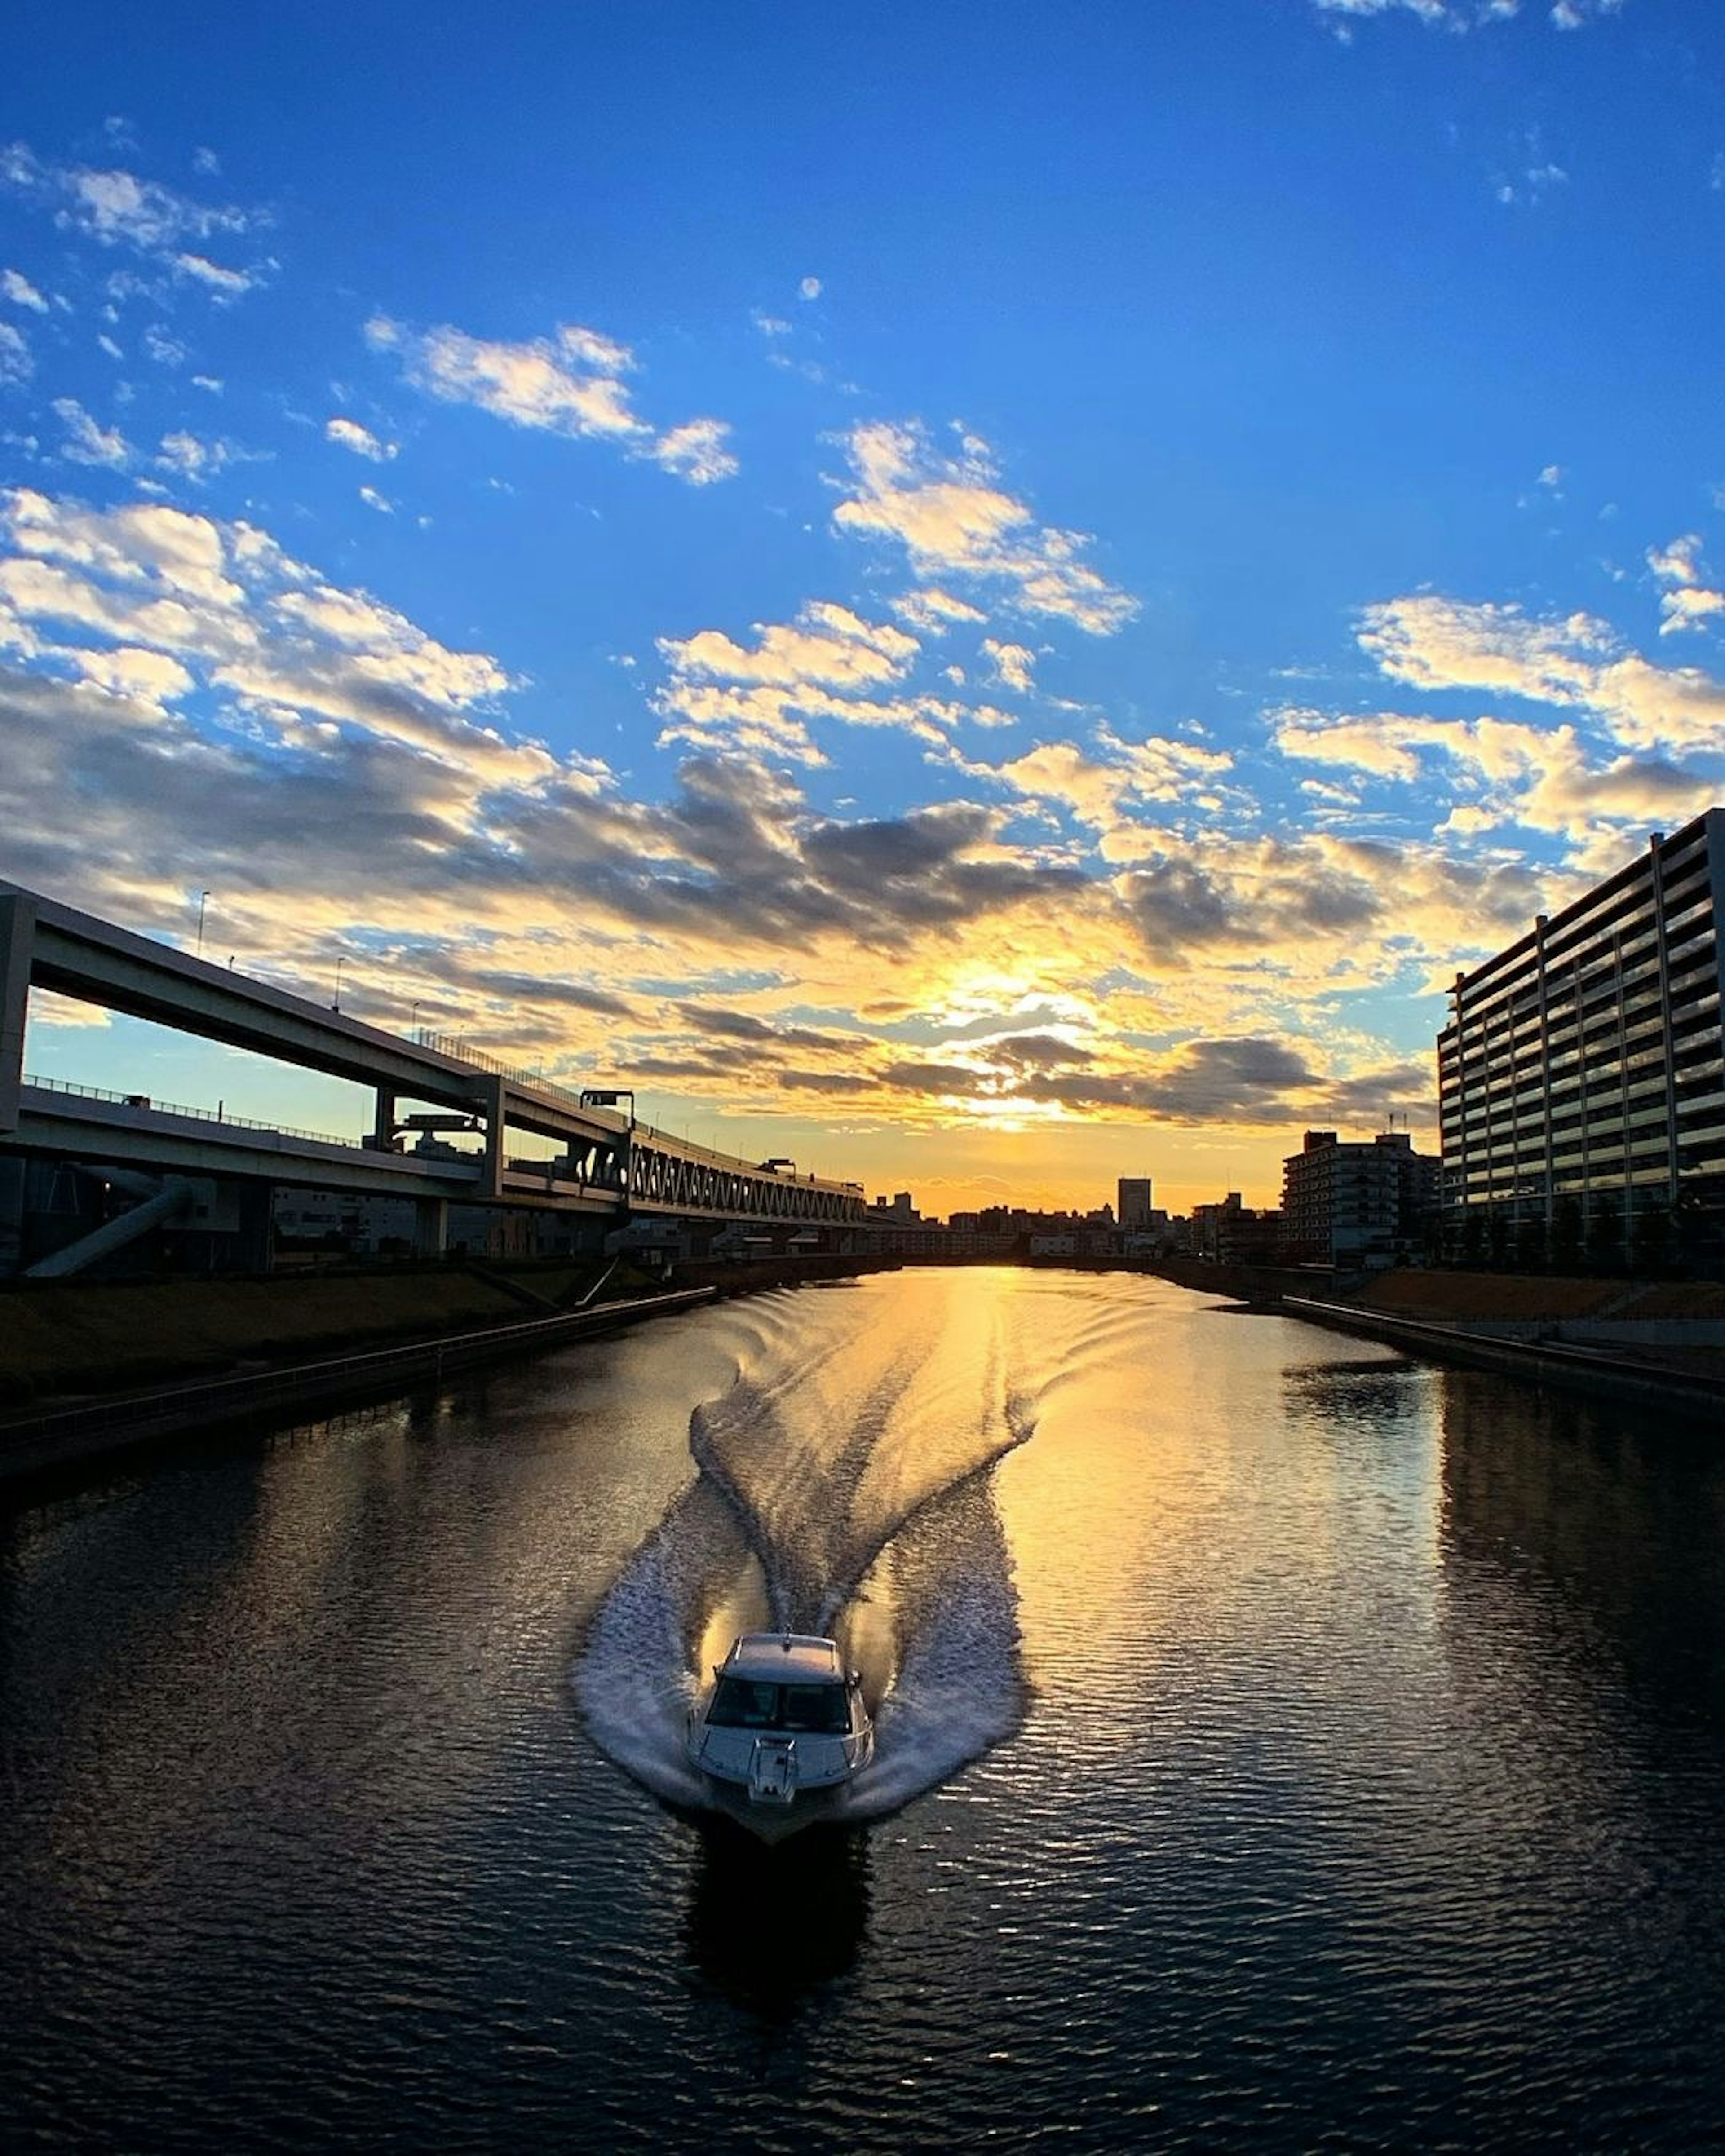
x=335 y=1002
x=203 y=901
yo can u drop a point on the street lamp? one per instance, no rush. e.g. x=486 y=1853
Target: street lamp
x=203 y=901
x=335 y=1002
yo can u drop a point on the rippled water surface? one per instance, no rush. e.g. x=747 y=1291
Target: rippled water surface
x=1278 y=1741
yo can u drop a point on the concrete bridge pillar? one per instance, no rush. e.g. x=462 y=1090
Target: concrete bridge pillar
x=383 y=1137
x=431 y=1227
x=17 y=935
x=495 y=1113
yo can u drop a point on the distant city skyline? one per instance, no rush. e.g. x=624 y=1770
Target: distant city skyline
x=985 y=599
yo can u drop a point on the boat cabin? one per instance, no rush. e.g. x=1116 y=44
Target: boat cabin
x=781 y=1681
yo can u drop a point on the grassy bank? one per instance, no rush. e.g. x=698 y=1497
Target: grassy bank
x=69 y=1336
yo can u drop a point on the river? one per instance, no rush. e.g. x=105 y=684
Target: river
x=1279 y=1741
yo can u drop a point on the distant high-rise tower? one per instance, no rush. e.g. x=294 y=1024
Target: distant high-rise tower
x=1136 y=1204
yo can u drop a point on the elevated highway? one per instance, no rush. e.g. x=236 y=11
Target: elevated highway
x=606 y=1163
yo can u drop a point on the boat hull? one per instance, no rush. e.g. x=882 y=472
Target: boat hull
x=773 y=1823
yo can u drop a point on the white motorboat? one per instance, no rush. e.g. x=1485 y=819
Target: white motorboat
x=784 y=1725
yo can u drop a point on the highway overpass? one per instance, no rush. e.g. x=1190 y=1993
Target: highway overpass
x=605 y=1162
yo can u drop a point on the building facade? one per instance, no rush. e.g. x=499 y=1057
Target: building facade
x=1582 y=1074
x=1230 y=1233
x=1344 y=1203
x=1137 y=1204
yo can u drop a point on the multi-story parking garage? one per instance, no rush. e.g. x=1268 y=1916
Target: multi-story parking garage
x=1583 y=1069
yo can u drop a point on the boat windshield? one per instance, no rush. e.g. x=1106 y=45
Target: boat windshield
x=821 y=1710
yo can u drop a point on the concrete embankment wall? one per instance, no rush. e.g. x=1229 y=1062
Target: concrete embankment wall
x=1256 y=1284
x=1588 y=1332
x=33 y=1444
x=1624 y=1340
x=121 y=1335
x=1573 y=1367
x=325 y=1339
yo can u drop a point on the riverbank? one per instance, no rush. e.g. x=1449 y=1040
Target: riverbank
x=103 y=1337
x=92 y=1367
x=57 y=1438
x=1657 y=1344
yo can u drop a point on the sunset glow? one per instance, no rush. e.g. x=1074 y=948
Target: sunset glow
x=986 y=599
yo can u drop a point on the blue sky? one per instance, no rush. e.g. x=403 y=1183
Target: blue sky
x=984 y=598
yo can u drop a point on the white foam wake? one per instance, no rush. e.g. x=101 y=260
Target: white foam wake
x=845 y=1487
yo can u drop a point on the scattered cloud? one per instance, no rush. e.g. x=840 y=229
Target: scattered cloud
x=1575 y=663
x=828 y=644
x=164 y=348
x=285 y=652
x=349 y=434
x=367 y=773
x=1434 y=643
x=696 y=451
x=1574 y=14
x=830 y=663
x=194 y=458
x=371 y=771
x=571 y=384
x=1467 y=14
x=16 y=364
x=1531 y=185
x=221 y=282
x=86 y=442
x=118 y=208
x=1013 y=665
x=1690 y=601
x=1540 y=776
x=1107 y=786
x=953 y=521
x=934 y=611
x=22 y=293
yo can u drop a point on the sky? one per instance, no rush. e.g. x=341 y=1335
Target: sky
x=984 y=598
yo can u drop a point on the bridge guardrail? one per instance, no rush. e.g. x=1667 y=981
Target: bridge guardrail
x=179 y=1108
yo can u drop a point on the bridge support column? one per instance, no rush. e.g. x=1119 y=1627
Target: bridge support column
x=431 y=1227
x=496 y=1095
x=383 y=1137
x=17 y=935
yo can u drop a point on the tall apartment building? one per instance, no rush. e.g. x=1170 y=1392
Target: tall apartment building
x=1343 y=1201
x=1586 y=1062
x=1137 y=1205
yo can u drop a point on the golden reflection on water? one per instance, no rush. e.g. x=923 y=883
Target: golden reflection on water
x=1373 y=1756
x=1206 y=1496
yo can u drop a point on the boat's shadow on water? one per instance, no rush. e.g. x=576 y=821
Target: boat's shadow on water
x=767 y=1924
